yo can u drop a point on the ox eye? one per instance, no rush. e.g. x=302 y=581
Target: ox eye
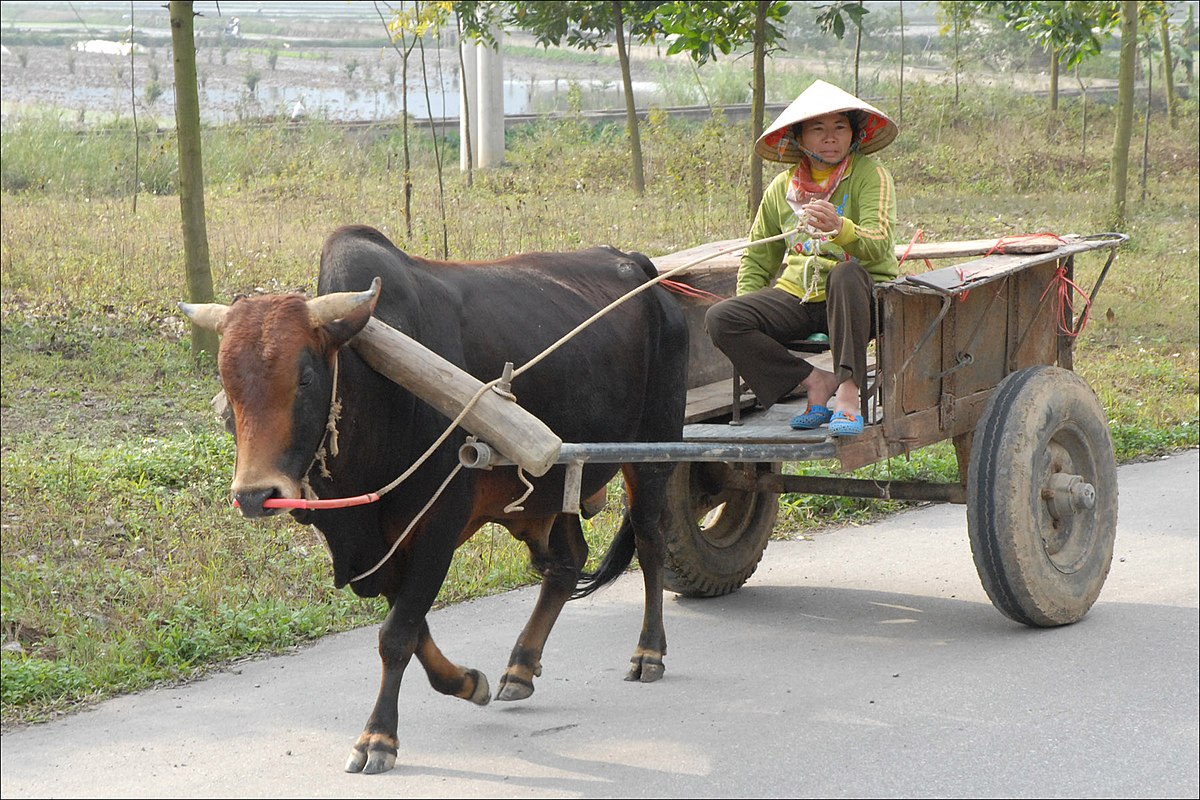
x=306 y=377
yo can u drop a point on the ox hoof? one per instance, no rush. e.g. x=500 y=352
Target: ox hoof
x=645 y=669
x=483 y=693
x=514 y=688
x=372 y=754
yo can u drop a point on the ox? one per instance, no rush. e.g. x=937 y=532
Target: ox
x=623 y=379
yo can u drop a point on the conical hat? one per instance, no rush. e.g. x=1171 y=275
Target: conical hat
x=777 y=144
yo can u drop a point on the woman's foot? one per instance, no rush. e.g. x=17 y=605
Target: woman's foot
x=846 y=423
x=819 y=387
x=811 y=418
x=846 y=398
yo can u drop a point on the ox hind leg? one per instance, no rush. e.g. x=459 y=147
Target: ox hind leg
x=645 y=485
x=558 y=552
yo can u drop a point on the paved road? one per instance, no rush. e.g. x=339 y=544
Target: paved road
x=866 y=662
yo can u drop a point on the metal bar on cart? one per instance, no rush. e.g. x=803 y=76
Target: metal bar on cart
x=479 y=455
x=858 y=487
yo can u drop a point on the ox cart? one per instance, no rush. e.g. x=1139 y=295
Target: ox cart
x=978 y=352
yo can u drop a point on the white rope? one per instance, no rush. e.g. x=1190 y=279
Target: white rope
x=411 y=525
x=515 y=505
x=567 y=337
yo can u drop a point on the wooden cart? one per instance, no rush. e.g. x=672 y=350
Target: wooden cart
x=979 y=352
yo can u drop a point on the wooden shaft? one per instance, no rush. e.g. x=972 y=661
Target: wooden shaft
x=496 y=420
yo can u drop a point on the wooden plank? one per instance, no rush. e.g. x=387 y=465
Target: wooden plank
x=723 y=257
x=982 y=247
x=758 y=426
x=721 y=261
x=988 y=268
x=752 y=431
x=951 y=279
x=716 y=399
x=713 y=400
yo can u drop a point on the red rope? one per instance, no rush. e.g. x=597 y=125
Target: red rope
x=689 y=291
x=919 y=236
x=1064 y=287
x=316 y=505
x=1004 y=241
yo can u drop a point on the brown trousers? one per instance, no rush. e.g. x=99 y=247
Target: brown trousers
x=752 y=329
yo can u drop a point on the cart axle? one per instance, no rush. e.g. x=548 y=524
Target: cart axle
x=1067 y=495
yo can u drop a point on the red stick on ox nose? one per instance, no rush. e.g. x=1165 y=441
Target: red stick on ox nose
x=317 y=505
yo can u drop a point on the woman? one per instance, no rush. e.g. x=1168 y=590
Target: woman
x=840 y=204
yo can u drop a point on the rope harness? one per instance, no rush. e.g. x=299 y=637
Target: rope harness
x=499 y=385
x=1062 y=285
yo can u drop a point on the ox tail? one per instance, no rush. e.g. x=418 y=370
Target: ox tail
x=616 y=560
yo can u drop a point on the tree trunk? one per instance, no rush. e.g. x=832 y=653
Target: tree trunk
x=1189 y=43
x=758 y=105
x=957 y=63
x=407 y=159
x=1124 y=128
x=901 y=117
x=1053 y=79
x=857 y=49
x=465 y=102
x=1146 y=126
x=191 y=169
x=1083 y=136
x=631 y=120
x=1164 y=33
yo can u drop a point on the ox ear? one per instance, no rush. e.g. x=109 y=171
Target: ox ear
x=344 y=314
x=210 y=316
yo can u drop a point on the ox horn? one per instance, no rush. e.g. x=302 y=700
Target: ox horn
x=210 y=316
x=328 y=307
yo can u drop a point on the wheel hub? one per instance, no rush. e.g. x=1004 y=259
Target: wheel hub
x=1067 y=495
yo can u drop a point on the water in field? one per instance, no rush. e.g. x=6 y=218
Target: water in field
x=91 y=86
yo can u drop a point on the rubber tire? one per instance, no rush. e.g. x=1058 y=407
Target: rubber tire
x=1039 y=421
x=719 y=558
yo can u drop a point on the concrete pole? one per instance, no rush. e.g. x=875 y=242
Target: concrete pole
x=468 y=88
x=491 y=104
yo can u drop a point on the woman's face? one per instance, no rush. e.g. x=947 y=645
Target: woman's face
x=829 y=136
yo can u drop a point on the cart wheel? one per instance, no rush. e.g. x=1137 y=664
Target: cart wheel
x=1042 y=497
x=715 y=532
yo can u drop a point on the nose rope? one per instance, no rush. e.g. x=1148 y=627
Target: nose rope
x=329 y=435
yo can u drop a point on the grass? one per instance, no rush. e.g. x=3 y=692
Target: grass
x=123 y=564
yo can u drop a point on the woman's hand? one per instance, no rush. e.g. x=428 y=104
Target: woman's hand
x=823 y=216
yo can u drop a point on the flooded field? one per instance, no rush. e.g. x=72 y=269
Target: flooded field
x=338 y=84
x=89 y=74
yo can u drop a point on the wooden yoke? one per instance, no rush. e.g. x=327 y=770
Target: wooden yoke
x=497 y=420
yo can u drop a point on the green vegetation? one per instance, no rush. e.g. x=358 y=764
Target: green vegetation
x=123 y=564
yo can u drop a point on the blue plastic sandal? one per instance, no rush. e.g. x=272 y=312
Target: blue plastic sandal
x=811 y=418
x=844 y=424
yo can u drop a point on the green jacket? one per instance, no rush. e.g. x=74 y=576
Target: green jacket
x=866 y=201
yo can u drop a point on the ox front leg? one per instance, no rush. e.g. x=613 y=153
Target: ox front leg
x=646 y=487
x=376 y=748
x=404 y=633
x=558 y=552
x=375 y=751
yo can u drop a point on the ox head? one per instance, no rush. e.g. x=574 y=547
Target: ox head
x=276 y=363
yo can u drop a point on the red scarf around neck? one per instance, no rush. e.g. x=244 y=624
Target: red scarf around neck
x=803 y=188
